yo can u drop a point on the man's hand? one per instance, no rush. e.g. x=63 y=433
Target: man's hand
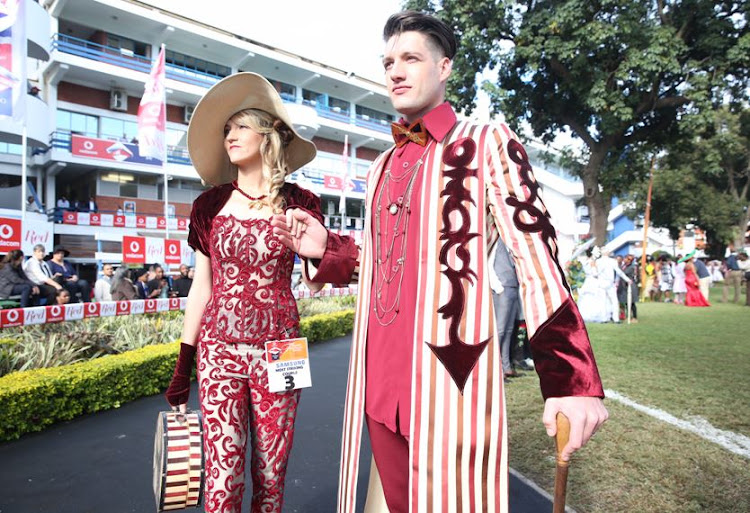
x=301 y=232
x=586 y=415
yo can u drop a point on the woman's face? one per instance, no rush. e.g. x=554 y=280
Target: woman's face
x=63 y=298
x=242 y=144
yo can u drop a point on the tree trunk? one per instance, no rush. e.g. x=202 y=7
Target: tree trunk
x=597 y=203
x=739 y=240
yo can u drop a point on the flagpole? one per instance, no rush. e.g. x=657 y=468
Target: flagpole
x=342 y=202
x=164 y=159
x=24 y=191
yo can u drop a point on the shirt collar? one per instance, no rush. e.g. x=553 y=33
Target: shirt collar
x=438 y=121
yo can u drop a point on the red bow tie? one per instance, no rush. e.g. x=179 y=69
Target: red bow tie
x=415 y=133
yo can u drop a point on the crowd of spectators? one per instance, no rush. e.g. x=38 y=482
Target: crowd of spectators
x=48 y=279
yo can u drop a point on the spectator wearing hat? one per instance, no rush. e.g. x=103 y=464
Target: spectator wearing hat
x=13 y=281
x=68 y=276
x=39 y=272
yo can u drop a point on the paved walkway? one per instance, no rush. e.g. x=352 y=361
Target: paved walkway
x=102 y=463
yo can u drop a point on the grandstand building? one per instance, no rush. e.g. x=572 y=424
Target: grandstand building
x=88 y=62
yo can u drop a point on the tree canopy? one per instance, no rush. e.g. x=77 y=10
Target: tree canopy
x=619 y=74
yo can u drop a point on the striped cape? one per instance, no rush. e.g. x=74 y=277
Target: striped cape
x=476 y=182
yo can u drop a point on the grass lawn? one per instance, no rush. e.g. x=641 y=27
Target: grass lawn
x=689 y=362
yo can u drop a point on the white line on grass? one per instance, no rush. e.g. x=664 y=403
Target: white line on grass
x=734 y=442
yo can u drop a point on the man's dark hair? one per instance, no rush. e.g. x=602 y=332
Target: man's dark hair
x=438 y=32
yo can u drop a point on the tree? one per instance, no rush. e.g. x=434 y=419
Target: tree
x=619 y=74
x=704 y=178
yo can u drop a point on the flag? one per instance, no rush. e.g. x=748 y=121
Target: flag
x=12 y=59
x=345 y=162
x=152 y=113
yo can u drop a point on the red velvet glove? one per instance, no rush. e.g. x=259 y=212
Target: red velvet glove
x=179 y=389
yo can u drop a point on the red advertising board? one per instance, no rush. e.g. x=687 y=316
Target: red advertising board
x=55 y=313
x=161 y=222
x=70 y=217
x=91 y=309
x=172 y=251
x=11 y=317
x=10 y=234
x=123 y=307
x=149 y=306
x=119 y=221
x=95 y=219
x=133 y=250
x=140 y=221
x=182 y=224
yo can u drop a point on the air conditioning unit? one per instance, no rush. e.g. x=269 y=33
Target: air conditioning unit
x=187 y=113
x=118 y=100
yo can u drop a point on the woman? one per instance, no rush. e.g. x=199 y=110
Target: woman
x=693 y=297
x=678 y=287
x=13 y=281
x=122 y=287
x=62 y=297
x=666 y=278
x=592 y=299
x=241 y=294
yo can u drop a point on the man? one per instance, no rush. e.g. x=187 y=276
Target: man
x=39 y=272
x=140 y=280
x=155 y=283
x=425 y=371
x=184 y=282
x=704 y=276
x=504 y=284
x=103 y=285
x=68 y=277
x=732 y=278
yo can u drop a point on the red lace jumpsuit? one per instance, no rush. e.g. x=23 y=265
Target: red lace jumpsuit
x=251 y=303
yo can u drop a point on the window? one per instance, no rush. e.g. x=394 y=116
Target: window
x=193 y=63
x=338 y=105
x=311 y=97
x=119 y=129
x=78 y=123
x=374 y=115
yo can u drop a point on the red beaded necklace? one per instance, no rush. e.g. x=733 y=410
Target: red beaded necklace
x=254 y=202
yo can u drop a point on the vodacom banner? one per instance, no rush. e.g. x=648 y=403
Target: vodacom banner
x=15 y=235
x=141 y=250
x=73 y=312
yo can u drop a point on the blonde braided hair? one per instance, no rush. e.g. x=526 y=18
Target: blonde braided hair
x=277 y=136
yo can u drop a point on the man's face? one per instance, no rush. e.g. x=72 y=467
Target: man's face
x=183 y=270
x=415 y=74
x=107 y=270
x=39 y=254
x=159 y=272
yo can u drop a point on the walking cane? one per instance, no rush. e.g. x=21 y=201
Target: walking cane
x=561 y=473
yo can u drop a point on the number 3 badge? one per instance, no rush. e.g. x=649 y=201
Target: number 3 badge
x=288 y=364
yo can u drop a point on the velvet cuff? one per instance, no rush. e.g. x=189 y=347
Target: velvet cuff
x=179 y=388
x=563 y=356
x=338 y=263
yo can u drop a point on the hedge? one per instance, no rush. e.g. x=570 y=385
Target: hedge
x=32 y=400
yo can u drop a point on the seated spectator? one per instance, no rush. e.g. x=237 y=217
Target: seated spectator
x=185 y=281
x=155 y=282
x=122 y=288
x=141 y=285
x=38 y=271
x=103 y=286
x=62 y=297
x=13 y=280
x=68 y=277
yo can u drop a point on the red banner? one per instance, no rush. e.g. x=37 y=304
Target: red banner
x=172 y=251
x=70 y=217
x=91 y=309
x=123 y=307
x=140 y=221
x=95 y=219
x=149 y=306
x=12 y=317
x=55 y=313
x=10 y=234
x=133 y=250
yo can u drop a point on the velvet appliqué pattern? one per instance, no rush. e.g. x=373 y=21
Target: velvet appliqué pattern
x=251 y=300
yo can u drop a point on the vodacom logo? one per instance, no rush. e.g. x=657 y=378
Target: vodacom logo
x=122 y=306
x=6 y=231
x=91 y=307
x=55 y=310
x=13 y=316
x=135 y=246
x=89 y=145
x=172 y=248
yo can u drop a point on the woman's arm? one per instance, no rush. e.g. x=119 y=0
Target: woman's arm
x=200 y=293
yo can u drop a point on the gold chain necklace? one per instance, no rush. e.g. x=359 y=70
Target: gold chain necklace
x=389 y=266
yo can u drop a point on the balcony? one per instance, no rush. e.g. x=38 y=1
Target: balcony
x=125 y=59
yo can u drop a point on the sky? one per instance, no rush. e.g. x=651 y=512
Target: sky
x=340 y=33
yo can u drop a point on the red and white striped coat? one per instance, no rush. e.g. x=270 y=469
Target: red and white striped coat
x=477 y=186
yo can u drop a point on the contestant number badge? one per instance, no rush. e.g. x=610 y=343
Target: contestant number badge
x=288 y=364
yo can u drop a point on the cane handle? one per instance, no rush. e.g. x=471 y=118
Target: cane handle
x=562 y=437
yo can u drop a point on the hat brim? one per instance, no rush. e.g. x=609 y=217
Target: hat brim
x=227 y=97
x=686 y=257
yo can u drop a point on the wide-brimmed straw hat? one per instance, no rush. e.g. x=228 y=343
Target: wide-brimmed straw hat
x=227 y=97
